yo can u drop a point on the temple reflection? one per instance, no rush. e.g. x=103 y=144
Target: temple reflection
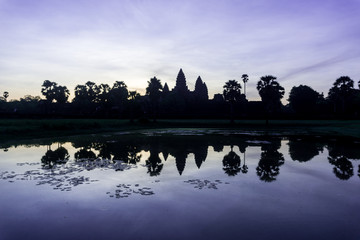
x=122 y=153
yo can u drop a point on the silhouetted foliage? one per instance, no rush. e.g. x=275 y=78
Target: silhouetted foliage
x=5 y=95
x=52 y=92
x=341 y=93
x=154 y=90
x=48 y=90
x=271 y=93
x=105 y=101
x=304 y=100
x=232 y=94
x=245 y=79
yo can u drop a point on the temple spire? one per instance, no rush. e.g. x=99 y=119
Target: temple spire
x=181 y=86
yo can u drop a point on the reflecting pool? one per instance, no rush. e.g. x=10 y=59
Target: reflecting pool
x=173 y=184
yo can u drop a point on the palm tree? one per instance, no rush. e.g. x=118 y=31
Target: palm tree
x=245 y=79
x=5 y=95
x=271 y=93
x=132 y=95
x=153 y=90
x=232 y=94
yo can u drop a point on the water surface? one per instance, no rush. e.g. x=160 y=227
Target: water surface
x=171 y=185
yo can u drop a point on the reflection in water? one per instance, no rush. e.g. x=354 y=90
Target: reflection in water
x=343 y=168
x=122 y=154
x=181 y=183
x=85 y=154
x=270 y=162
x=339 y=155
x=304 y=149
x=232 y=163
x=154 y=164
x=51 y=158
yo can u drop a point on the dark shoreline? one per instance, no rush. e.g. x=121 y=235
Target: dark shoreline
x=26 y=129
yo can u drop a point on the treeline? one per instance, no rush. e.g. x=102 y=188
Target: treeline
x=104 y=101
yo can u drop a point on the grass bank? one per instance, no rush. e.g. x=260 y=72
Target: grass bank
x=30 y=128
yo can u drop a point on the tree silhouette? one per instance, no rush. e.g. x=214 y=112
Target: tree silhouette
x=48 y=90
x=303 y=99
x=61 y=94
x=245 y=79
x=86 y=93
x=232 y=94
x=133 y=95
x=103 y=93
x=118 y=96
x=5 y=95
x=153 y=90
x=271 y=93
x=341 y=92
x=232 y=163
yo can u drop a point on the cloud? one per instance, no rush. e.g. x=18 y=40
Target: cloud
x=320 y=66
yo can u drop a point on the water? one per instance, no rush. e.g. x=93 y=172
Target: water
x=180 y=185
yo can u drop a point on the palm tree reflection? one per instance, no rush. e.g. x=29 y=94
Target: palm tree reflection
x=232 y=163
x=270 y=161
x=154 y=164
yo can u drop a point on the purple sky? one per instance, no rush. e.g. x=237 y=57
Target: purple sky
x=310 y=42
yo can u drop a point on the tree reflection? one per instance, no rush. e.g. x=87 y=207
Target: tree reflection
x=154 y=164
x=232 y=163
x=52 y=158
x=343 y=168
x=270 y=161
x=104 y=151
x=303 y=150
x=244 y=168
x=133 y=156
x=85 y=154
x=339 y=154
